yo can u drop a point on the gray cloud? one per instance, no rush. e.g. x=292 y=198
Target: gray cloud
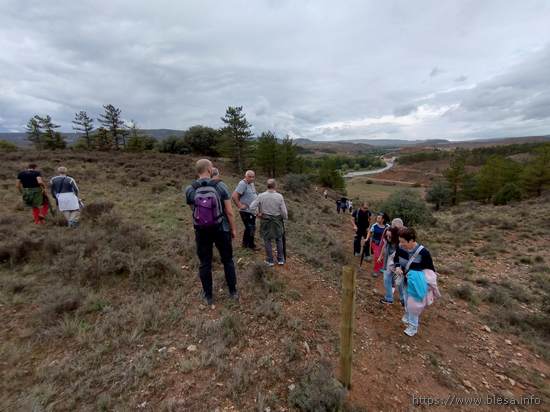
x=294 y=66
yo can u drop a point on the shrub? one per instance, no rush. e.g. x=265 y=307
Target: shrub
x=297 y=183
x=6 y=146
x=318 y=390
x=97 y=208
x=407 y=205
x=508 y=193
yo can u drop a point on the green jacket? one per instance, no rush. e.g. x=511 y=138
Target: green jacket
x=33 y=196
x=271 y=227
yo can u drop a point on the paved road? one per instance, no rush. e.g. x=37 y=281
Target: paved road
x=389 y=165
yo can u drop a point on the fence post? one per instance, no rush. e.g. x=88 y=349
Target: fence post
x=346 y=328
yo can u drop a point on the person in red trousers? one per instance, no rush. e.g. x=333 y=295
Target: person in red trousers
x=32 y=188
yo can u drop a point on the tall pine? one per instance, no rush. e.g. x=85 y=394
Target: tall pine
x=84 y=124
x=237 y=136
x=112 y=120
x=268 y=154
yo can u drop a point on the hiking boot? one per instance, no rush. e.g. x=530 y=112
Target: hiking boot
x=386 y=302
x=207 y=299
x=280 y=262
x=270 y=264
x=410 y=331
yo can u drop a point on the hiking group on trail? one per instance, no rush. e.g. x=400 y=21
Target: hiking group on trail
x=392 y=249
x=404 y=263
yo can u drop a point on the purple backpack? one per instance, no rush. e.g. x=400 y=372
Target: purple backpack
x=208 y=209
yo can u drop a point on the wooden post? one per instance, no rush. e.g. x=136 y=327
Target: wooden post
x=346 y=328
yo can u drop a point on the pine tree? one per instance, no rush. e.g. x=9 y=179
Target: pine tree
x=237 y=135
x=84 y=124
x=34 y=134
x=455 y=176
x=49 y=139
x=494 y=174
x=439 y=194
x=267 y=154
x=112 y=120
x=535 y=177
x=289 y=156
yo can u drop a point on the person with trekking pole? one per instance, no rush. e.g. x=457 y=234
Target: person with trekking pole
x=65 y=192
x=361 y=222
x=271 y=209
x=33 y=190
x=214 y=224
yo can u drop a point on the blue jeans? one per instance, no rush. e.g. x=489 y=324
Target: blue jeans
x=388 y=286
x=413 y=320
x=269 y=250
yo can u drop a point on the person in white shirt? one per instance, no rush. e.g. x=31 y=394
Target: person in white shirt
x=65 y=191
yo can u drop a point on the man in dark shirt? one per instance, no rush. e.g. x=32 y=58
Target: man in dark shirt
x=361 y=223
x=220 y=235
x=32 y=188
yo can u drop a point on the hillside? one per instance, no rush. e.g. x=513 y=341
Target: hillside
x=109 y=317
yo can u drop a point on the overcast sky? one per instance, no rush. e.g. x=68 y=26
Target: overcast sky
x=323 y=70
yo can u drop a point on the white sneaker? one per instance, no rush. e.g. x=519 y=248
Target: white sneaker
x=410 y=331
x=269 y=263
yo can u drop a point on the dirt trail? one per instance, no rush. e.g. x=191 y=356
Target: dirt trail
x=454 y=354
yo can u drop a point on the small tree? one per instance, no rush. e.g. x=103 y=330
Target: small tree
x=407 y=205
x=508 y=193
x=173 y=144
x=102 y=139
x=138 y=142
x=84 y=124
x=439 y=194
x=34 y=134
x=455 y=176
x=535 y=176
x=494 y=174
x=112 y=121
x=267 y=154
x=203 y=140
x=290 y=162
x=237 y=136
x=330 y=176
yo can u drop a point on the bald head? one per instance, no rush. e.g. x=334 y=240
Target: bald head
x=203 y=166
x=249 y=176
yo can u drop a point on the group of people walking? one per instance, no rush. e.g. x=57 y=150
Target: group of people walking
x=63 y=189
x=404 y=264
x=210 y=201
x=392 y=248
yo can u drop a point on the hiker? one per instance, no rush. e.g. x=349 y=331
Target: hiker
x=411 y=260
x=375 y=238
x=350 y=206
x=390 y=243
x=210 y=201
x=338 y=204
x=33 y=189
x=361 y=222
x=243 y=196
x=272 y=211
x=325 y=193
x=344 y=204
x=216 y=174
x=65 y=192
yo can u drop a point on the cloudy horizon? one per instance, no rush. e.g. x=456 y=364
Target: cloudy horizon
x=454 y=70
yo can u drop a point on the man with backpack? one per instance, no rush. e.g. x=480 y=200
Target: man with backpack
x=210 y=201
x=243 y=196
x=65 y=192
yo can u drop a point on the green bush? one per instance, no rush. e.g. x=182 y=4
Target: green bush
x=317 y=391
x=173 y=144
x=297 y=183
x=407 y=205
x=6 y=146
x=508 y=193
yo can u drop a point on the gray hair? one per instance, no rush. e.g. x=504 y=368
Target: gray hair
x=62 y=169
x=271 y=183
x=397 y=222
x=215 y=172
x=250 y=173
